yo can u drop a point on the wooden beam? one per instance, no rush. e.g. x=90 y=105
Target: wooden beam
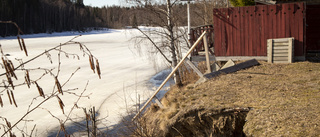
x=226 y=58
x=195 y=69
x=170 y=75
x=215 y=67
x=270 y=49
x=239 y=58
x=290 y=48
x=280 y=40
x=234 y=68
x=159 y=103
x=230 y=63
x=200 y=58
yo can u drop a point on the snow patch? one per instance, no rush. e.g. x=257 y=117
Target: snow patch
x=157 y=80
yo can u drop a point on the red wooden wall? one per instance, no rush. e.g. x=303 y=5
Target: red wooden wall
x=243 y=31
x=313 y=27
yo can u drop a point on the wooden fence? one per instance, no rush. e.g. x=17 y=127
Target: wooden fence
x=194 y=35
x=243 y=31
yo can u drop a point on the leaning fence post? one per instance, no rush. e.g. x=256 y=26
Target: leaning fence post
x=205 y=44
x=169 y=76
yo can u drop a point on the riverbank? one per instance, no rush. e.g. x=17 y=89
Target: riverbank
x=265 y=100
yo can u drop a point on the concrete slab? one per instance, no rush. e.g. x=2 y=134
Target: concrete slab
x=232 y=69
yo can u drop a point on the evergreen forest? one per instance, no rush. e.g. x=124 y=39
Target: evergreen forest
x=47 y=16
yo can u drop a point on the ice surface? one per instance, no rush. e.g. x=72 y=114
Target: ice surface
x=125 y=75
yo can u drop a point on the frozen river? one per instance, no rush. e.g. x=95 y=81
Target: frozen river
x=125 y=75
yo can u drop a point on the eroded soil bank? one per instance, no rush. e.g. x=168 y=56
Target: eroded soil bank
x=265 y=100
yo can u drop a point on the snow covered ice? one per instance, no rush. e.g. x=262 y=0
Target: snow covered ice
x=125 y=75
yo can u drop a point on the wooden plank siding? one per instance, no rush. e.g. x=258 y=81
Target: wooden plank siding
x=313 y=28
x=243 y=31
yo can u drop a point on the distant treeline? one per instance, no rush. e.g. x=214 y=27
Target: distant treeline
x=47 y=16
x=38 y=16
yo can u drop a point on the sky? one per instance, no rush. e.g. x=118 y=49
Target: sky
x=101 y=3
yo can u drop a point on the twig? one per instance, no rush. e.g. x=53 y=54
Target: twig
x=9 y=129
x=11 y=22
x=155 y=45
x=177 y=130
x=34 y=127
x=75 y=105
x=54 y=48
x=37 y=106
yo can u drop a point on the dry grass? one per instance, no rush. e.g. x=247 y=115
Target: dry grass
x=285 y=99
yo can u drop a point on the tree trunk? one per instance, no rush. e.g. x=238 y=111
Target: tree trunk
x=172 y=47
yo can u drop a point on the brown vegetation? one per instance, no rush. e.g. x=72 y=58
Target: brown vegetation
x=283 y=100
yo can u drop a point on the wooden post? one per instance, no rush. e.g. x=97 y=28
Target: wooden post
x=170 y=75
x=290 y=50
x=205 y=44
x=230 y=63
x=195 y=69
x=270 y=48
x=159 y=103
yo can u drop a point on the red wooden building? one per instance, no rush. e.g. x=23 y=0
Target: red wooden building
x=242 y=32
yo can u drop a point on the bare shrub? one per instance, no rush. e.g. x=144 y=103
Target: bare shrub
x=11 y=79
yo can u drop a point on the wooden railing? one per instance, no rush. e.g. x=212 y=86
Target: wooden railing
x=195 y=34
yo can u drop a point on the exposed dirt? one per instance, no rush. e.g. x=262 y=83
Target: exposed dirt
x=284 y=101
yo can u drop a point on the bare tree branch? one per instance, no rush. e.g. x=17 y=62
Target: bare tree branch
x=9 y=87
x=154 y=44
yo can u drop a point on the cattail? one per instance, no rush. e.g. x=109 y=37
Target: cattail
x=91 y=63
x=24 y=47
x=40 y=90
x=27 y=78
x=9 y=97
x=5 y=64
x=8 y=123
x=19 y=43
x=9 y=126
x=1 y=102
x=27 y=82
x=8 y=72
x=98 y=68
x=14 y=101
x=11 y=69
x=60 y=104
x=10 y=81
x=58 y=85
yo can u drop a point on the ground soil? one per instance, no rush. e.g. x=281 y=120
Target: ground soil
x=281 y=99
